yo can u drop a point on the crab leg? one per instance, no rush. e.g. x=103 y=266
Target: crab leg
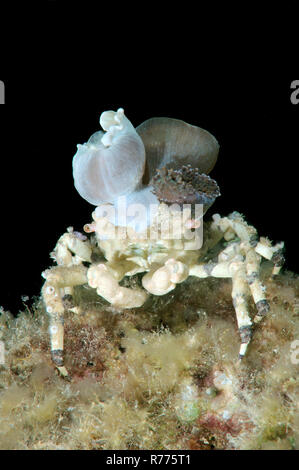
x=236 y=271
x=210 y=269
x=258 y=290
x=239 y=295
x=273 y=253
x=57 y=279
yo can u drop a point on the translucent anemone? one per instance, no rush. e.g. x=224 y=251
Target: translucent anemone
x=124 y=162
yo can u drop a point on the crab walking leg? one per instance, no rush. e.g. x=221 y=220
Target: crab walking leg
x=210 y=269
x=239 y=295
x=235 y=224
x=236 y=271
x=57 y=279
x=258 y=290
x=273 y=253
x=278 y=259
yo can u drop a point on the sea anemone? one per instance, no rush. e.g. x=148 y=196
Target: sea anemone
x=127 y=163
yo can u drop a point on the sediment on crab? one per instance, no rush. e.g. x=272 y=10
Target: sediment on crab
x=184 y=186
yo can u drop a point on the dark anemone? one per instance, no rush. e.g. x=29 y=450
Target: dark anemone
x=184 y=186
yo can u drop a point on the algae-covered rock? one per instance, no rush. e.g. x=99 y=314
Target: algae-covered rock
x=163 y=376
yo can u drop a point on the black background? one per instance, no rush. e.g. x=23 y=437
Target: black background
x=64 y=66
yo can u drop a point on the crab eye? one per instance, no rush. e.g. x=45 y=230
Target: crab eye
x=110 y=164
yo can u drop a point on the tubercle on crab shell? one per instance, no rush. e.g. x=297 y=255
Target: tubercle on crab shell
x=184 y=186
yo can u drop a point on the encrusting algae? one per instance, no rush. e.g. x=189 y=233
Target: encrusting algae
x=163 y=376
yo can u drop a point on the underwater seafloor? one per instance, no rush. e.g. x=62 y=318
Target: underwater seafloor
x=163 y=376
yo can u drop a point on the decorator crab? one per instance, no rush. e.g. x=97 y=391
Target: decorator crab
x=151 y=189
